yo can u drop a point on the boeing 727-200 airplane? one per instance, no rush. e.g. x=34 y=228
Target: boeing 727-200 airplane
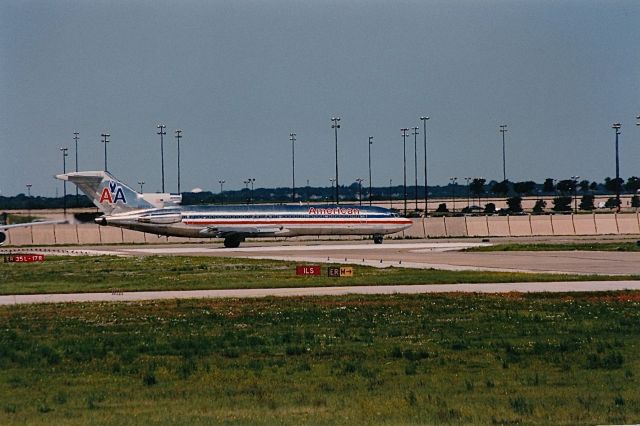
x=123 y=207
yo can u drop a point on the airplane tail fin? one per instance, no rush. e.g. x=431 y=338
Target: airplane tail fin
x=107 y=193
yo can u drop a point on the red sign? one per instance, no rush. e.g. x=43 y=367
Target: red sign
x=23 y=258
x=307 y=270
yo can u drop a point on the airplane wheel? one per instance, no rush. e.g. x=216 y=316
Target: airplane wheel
x=232 y=242
x=378 y=239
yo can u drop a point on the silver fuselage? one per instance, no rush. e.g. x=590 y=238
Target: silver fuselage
x=260 y=220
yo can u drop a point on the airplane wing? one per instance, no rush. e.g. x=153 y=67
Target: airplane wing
x=23 y=225
x=241 y=231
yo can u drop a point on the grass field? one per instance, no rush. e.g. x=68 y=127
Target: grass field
x=591 y=246
x=428 y=359
x=95 y=274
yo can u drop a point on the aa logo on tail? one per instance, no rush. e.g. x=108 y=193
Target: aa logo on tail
x=112 y=194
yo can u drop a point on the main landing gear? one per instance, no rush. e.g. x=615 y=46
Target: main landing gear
x=233 y=242
x=378 y=239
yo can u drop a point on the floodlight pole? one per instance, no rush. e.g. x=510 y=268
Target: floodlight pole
x=221 y=182
x=370 y=143
x=503 y=130
x=415 y=161
x=105 y=141
x=75 y=138
x=616 y=127
x=404 y=131
x=178 y=137
x=292 y=138
x=335 y=126
x=426 y=188
x=64 y=183
x=162 y=133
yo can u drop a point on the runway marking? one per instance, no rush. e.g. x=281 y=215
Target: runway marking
x=536 y=287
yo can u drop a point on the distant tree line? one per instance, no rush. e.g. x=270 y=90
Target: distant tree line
x=477 y=188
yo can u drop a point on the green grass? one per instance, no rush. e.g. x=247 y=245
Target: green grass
x=96 y=274
x=612 y=246
x=426 y=359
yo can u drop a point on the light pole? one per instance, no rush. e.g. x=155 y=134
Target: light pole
x=404 y=131
x=105 y=141
x=468 y=179
x=292 y=138
x=335 y=126
x=426 y=189
x=454 y=182
x=390 y=194
x=141 y=183
x=75 y=138
x=503 y=129
x=333 y=181
x=162 y=133
x=370 y=143
x=246 y=186
x=574 y=180
x=221 y=182
x=251 y=181
x=616 y=127
x=415 y=161
x=29 y=201
x=307 y=191
x=178 y=136
x=64 y=183
x=359 y=180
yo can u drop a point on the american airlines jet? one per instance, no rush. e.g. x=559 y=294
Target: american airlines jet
x=123 y=207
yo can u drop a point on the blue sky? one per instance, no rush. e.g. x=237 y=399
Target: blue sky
x=238 y=76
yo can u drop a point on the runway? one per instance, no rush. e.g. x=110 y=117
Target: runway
x=534 y=287
x=420 y=254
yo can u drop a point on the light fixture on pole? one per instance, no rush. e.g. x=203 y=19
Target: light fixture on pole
x=359 y=180
x=468 y=179
x=162 y=133
x=370 y=143
x=335 y=126
x=141 y=183
x=64 y=183
x=75 y=138
x=503 y=130
x=251 y=181
x=404 y=131
x=616 y=127
x=390 y=194
x=574 y=183
x=426 y=187
x=29 y=190
x=221 y=182
x=454 y=182
x=415 y=161
x=333 y=181
x=178 y=137
x=105 y=141
x=292 y=138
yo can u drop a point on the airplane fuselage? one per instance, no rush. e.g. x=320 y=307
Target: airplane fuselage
x=260 y=220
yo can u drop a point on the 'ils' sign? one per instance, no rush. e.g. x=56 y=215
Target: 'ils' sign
x=307 y=270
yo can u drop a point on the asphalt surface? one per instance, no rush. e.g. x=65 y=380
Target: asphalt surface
x=422 y=254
